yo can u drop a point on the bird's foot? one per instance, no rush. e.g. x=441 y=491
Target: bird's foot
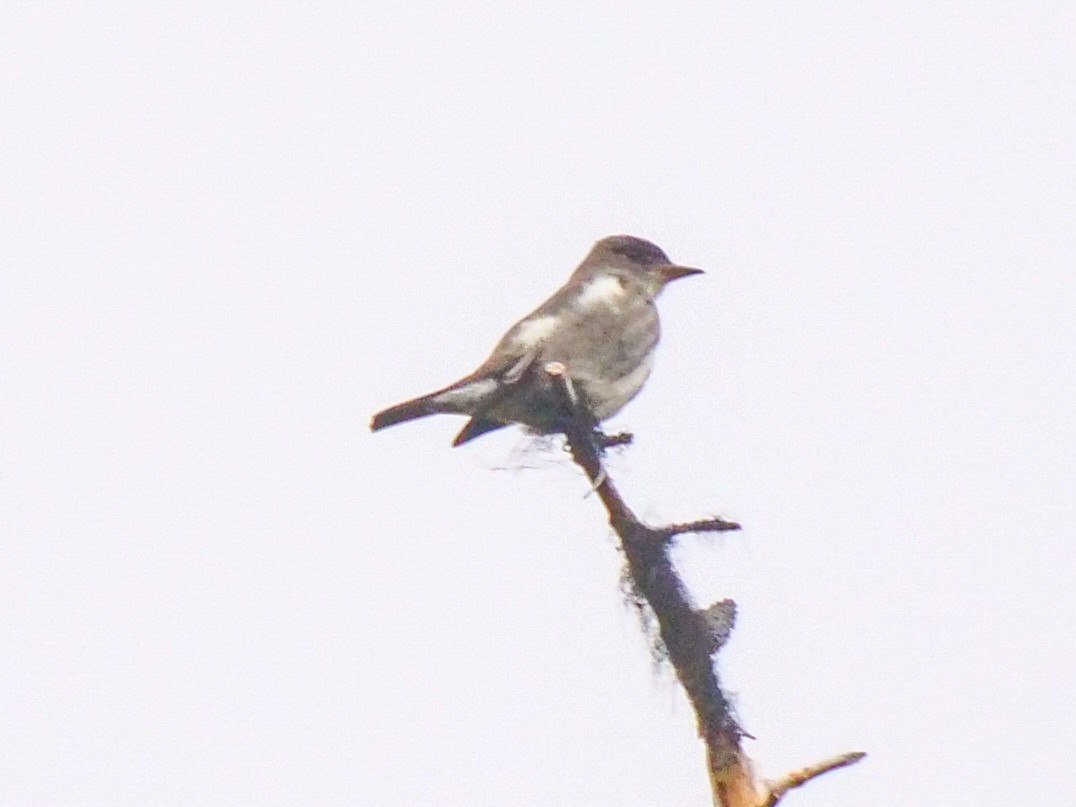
x=603 y=441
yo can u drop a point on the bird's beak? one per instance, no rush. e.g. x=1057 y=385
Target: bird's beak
x=672 y=272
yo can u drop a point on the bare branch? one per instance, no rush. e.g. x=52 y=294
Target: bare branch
x=689 y=635
x=797 y=778
x=714 y=524
x=605 y=441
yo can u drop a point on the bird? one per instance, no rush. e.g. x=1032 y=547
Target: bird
x=600 y=330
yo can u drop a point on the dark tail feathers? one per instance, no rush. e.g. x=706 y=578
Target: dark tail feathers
x=402 y=412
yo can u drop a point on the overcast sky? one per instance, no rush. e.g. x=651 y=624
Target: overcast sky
x=230 y=233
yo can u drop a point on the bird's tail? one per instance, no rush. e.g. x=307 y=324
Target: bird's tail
x=468 y=396
x=403 y=412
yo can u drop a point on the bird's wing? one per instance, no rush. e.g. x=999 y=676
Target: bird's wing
x=519 y=367
x=476 y=427
x=507 y=370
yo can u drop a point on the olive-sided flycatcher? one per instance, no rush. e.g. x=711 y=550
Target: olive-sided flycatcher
x=599 y=329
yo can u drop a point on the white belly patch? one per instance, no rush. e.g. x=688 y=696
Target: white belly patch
x=601 y=291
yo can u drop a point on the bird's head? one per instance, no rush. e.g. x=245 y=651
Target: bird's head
x=638 y=258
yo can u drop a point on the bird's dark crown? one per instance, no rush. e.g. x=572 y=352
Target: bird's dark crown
x=636 y=250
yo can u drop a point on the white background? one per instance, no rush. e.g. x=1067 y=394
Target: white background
x=230 y=233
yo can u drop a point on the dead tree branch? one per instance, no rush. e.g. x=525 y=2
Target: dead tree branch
x=689 y=635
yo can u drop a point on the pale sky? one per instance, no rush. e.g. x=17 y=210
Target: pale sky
x=230 y=233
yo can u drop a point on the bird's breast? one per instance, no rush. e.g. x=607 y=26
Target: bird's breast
x=609 y=395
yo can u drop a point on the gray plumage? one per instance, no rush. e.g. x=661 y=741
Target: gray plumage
x=602 y=326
